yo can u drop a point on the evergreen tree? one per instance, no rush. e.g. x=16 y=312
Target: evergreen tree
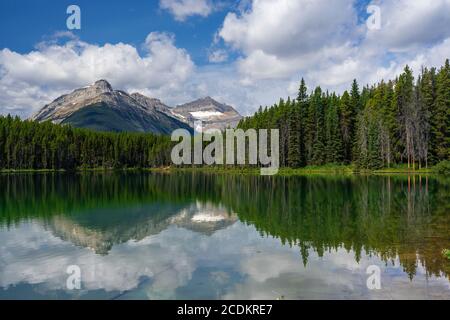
x=441 y=115
x=318 y=148
x=355 y=97
x=403 y=98
x=389 y=118
x=334 y=150
x=294 y=160
x=310 y=129
x=302 y=101
x=347 y=125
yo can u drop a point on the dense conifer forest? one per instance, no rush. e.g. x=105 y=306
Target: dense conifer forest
x=405 y=120
x=33 y=145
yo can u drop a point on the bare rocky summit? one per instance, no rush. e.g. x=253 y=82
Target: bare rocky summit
x=213 y=114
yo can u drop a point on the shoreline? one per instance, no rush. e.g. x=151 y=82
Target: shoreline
x=316 y=170
x=342 y=171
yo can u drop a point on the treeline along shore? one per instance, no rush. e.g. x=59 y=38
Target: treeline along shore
x=402 y=121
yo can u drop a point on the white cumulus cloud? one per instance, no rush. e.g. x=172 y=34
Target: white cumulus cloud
x=326 y=42
x=182 y=9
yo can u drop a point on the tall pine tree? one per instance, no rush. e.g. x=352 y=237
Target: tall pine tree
x=441 y=115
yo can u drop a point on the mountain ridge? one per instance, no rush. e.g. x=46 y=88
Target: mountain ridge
x=213 y=114
x=100 y=107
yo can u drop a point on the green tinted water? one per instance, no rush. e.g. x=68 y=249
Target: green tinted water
x=202 y=236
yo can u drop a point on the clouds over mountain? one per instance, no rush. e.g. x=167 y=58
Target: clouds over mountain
x=53 y=69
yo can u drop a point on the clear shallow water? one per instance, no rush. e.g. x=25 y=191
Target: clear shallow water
x=195 y=236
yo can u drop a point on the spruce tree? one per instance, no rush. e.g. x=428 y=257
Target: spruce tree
x=441 y=115
x=334 y=148
x=302 y=104
x=318 y=148
x=310 y=129
x=294 y=160
x=347 y=125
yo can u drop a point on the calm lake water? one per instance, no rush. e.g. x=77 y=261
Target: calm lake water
x=202 y=236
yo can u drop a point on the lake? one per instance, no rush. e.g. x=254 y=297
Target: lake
x=205 y=236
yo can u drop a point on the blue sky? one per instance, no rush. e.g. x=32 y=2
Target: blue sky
x=106 y=21
x=246 y=53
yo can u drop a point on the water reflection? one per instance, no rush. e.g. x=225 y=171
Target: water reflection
x=197 y=236
x=88 y=230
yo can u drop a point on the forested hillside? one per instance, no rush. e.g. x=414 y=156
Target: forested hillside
x=405 y=120
x=33 y=145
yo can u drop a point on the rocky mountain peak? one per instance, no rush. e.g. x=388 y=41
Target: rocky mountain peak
x=213 y=114
x=141 y=98
x=102 y=86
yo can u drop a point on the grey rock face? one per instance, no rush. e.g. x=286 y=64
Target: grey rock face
x=213 y=114
x=66 y=105
x=150 y=103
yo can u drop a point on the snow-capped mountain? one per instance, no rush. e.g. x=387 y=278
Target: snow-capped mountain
x=213 y=114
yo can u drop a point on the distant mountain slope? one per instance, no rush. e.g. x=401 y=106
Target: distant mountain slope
x=213 y=114
x=102 y=117
x=99 y=107
x=151 y=103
